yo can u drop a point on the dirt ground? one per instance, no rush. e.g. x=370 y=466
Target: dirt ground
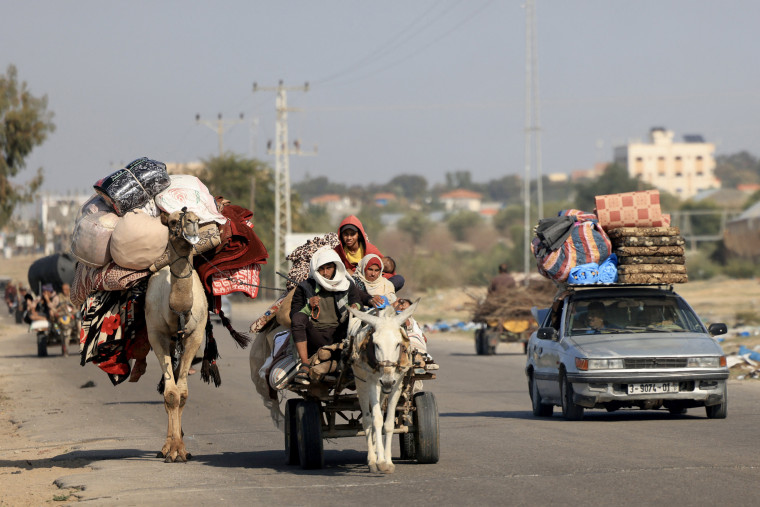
x=27 y=474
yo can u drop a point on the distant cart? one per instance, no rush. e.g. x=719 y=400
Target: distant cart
x=496 y=331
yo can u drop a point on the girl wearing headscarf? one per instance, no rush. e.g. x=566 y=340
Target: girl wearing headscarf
x=354 y=246
x=319 y=311
x=368 y=277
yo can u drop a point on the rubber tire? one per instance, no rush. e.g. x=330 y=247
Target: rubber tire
x=719 y=411
x=64 y=344
x=42 y=344
x=406 y=444
x=309 y=425
x=677 y=411
x=480 y=342
x=539 y=408
x=570 y=411
x=427 y=438
x=291 y=435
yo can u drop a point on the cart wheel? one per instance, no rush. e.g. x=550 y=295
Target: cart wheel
x=427 y=437
x=309 y=425
x=291 y=435
x=481 y=344
x=406 y=443
x=42 y=344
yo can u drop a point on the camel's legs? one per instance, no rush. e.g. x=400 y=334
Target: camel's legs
x=176 y=393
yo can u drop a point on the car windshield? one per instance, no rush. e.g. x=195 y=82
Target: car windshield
x=650 y=314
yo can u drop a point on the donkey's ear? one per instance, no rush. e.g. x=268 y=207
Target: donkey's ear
x=164 y=218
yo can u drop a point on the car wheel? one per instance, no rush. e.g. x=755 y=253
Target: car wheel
x=719 y=411
x=570 y=410
x=539 y=408
x=677 y=410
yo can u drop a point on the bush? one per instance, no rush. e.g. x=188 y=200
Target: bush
x=740 y=268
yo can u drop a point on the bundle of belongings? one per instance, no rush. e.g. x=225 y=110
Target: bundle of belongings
x=626 y=240
x=119 y=241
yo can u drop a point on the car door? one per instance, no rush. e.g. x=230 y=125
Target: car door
x=546 y=358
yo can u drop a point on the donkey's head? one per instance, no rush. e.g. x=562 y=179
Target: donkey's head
x=390 y=344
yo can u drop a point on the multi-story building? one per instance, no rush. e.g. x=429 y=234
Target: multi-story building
x=682 y=169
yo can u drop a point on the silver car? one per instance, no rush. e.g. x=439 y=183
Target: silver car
x=625 y=346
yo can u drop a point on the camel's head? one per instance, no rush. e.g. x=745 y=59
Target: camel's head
x=391 y=344
x=184 y=224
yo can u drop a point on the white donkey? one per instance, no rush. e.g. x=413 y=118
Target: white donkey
x=381 y=357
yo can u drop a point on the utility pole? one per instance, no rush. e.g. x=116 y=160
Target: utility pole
x=532 y=128
x=219 y=126
x=282 y=220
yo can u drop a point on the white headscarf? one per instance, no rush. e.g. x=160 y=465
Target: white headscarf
x=381 y=286
x=326 y=255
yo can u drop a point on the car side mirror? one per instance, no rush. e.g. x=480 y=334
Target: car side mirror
x=717 y=328
x=546 y=333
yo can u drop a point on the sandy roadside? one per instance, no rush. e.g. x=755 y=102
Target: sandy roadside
x=27 y=471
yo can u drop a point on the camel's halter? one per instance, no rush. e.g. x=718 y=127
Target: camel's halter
x=180 y=229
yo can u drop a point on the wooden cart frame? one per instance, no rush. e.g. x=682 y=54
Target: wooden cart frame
x=330 y=409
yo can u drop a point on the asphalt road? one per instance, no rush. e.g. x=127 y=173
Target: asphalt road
x=493 y=451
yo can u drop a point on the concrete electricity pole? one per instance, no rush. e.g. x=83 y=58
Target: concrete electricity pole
x=282 y=218
x=532 y=128
x=219 y=126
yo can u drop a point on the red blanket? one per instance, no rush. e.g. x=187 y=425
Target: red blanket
x=242 y=249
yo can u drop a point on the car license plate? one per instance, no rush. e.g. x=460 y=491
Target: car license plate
x=653 y=388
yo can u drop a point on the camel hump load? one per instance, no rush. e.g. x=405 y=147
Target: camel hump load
x=126 y=233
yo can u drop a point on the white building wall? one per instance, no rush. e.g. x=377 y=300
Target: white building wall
x=682 y=169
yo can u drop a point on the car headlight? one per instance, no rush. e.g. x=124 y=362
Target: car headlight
x=707 y=362
x=598 y=364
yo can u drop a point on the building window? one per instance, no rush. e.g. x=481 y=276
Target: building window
x=699 y=165
x=678 y=165
x=638 y=166
x=661 y=166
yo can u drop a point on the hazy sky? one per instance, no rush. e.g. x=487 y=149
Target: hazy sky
x=396 y=87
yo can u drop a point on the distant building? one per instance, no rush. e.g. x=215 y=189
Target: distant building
x=337 y=206
x=588 y=174
x=383 y=198
x=461 y=199
x=682 y=169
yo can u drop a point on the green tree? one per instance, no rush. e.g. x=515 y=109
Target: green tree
x=614 y=180
x=737 y=168
x=410 y=186
x=25 y=123
x=461 y=222
x=231 y=176
x=416 y=224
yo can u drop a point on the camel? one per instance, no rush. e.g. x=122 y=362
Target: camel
x=379 y=379
x=176 y=312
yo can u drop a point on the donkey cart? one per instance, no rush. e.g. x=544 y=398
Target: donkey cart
x=330 y=409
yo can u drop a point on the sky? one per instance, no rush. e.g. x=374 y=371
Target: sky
x=396 y=87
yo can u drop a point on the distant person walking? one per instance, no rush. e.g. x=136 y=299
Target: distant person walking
x=503 y=281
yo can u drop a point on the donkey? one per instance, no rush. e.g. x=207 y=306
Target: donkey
x=380 y=359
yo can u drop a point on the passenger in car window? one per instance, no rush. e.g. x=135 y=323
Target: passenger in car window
x=596 y=318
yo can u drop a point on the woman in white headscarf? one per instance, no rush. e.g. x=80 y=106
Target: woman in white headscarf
x=369 y=278
x=319 y=311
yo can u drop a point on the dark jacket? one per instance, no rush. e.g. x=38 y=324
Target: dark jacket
x=343 y=299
